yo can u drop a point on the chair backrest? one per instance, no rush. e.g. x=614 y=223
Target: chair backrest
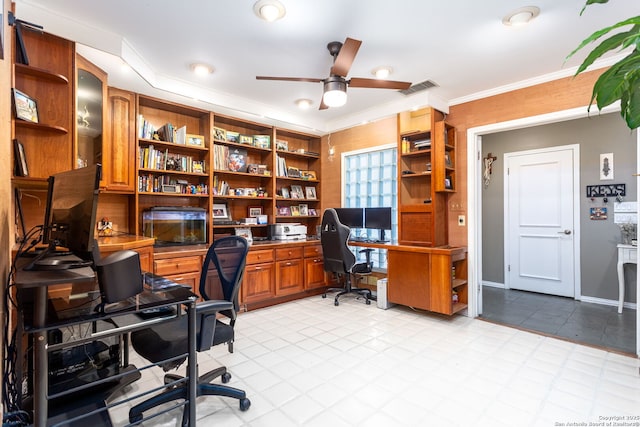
x=228 y=255
x=334 y=237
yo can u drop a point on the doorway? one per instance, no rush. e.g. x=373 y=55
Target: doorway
x=476 y=244
x=540 y=201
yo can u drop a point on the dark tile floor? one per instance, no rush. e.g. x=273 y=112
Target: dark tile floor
x=581 y=322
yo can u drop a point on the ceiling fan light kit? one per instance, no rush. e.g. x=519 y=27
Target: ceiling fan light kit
x=269 y=10
x=335 y=92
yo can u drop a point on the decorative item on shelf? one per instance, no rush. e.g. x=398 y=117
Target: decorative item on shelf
x=25 y=107
x=282 y=145
x=262 y=141
x=219 y=212
x=195 y=140
x=180 y=136
x=262 y=170
x=244 y=232
x=233 y=136
x=246 y=139
x=21 y=167
x=254 y=211
x=285 y=192
x=238 y=160
x=219 y=134
x=296 y=192
x=447 y=159
x=284 y=211
x=197 y=167
x=304 y=209
x=300 y=151
x=251 y=221
x=310 y=193
x=405 y=145
x=252 y=168
x=262 y=219
x=310 y=175
x=313 y=212
x=293 y=172
x=447 y=183
x=295 y=210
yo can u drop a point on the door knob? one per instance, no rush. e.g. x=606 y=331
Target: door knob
x=564 y=232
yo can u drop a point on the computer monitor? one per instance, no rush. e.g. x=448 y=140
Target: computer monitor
x=70 y=214
x=351 y=217
x=378 y=218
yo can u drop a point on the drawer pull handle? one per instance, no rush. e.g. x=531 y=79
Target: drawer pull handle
x=258 y=268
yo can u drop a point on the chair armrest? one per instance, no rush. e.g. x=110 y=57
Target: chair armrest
x=213 y=306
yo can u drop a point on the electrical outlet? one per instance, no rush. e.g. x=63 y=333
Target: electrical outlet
x=461 y=220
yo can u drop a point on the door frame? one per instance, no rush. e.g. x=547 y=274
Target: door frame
x=474 y=194
x=575 y=149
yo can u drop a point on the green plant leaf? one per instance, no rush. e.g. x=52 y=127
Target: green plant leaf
x=595 y=36
x=592 y=2
x=606 y=45
x=630 y=102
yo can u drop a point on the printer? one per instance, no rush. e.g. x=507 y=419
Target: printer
x=287 y=231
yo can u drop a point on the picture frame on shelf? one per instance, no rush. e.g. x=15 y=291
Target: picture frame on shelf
x=219 y=211
x=296 y=192
x=262 y=141
x=219 y=134
x=304 y=209
x=310 y=175
x=293 y=172
x=238 y=160
x=285 y=192
x=254 y=211
x=195 y=140
x=447 y=183
x=245 y=139
x=295 y=210
x=25 y=107
x=244 y=232
x=282 y=145
x=252 y=168
x=313 y=212
x=447 y=159
x=284 y=211
x=232 y=136
x=21 y=168
x=310 y=193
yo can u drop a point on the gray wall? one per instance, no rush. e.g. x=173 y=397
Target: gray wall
x=595 y=135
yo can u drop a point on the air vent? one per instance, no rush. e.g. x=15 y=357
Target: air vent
x=418 y=87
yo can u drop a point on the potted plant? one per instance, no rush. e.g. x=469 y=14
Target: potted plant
x=622 y=80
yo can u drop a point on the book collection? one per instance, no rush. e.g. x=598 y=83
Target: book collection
x=169 y=184
x=150 y=158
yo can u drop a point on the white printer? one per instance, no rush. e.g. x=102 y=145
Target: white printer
x=288 y=231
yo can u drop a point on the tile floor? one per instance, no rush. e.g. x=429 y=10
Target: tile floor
x=588 y=323
x=309 y=363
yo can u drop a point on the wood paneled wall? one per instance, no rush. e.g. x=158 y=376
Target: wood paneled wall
x=558 y=95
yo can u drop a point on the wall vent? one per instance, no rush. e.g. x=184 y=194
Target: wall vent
x=418 y=87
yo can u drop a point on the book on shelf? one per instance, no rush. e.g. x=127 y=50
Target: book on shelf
x=282 y=166
x=180 y=135
x=145 y=128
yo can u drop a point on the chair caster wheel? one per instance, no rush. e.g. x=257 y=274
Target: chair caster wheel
x=324 y=295
x=244 y=404
x=368 y=302
x=336 y=303
x=226 y=377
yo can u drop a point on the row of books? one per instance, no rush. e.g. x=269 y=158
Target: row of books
x=150 y=158
x=281 y=164
x=167 y=132
x=220 y=187
x=169 y=184
x=229 y=158
x=145 y=128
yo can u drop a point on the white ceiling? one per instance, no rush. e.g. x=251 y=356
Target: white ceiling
x=461 y=45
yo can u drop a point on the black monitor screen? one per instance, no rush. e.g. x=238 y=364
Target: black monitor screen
x=71 y=210
x=379 y=218
x=351 y=217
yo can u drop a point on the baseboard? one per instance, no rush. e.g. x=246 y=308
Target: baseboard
x=611 y=302
x=493 y=284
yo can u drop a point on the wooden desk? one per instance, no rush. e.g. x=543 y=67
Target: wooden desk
x=627 y=254
x=38 y=326
x=423 y=277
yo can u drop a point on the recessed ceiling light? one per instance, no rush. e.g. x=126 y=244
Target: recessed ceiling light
x=269 y=10
x=201 y=69
x=521 y=16
x=382 y=72
x=304 y=104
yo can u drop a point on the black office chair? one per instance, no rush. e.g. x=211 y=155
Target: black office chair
x=338 y=259
x=169 y=340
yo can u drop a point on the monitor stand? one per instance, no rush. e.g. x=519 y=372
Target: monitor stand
x=50 y=259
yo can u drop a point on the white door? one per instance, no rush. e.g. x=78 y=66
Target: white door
x=539 y=221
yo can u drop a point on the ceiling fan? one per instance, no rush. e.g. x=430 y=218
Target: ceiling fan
x=335 y=86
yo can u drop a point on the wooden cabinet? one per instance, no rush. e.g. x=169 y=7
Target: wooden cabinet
x=184 y=270
x=48 y=80
x=425 y=278
x=119 y=168
x=259 y=277
x=172 y=167
x=314 y=275
x=426 y=175
x=289 y=271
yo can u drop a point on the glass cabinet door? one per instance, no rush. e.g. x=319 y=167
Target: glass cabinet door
x=91 y=86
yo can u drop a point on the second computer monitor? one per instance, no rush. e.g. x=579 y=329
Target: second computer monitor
x=378 y=218
x=351 y=217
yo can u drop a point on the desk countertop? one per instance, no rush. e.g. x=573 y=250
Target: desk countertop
x=124 y=241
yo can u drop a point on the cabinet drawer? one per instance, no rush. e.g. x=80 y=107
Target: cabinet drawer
x=313 y=251
x=260 y=256
x=630 y=256
x=288 y=253
x=166 y=267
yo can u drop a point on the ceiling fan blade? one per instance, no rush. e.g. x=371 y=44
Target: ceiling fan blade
x=290 y=79
x=378 y=84
x=347 y=54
